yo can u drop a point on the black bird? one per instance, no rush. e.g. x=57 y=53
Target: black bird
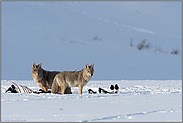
x=116 y=88
x=112 y=87
x=12 y=89
x=90 y=91
x=103 y=91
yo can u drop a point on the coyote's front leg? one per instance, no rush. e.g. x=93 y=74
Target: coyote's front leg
x=80 y=87
x=44 y=87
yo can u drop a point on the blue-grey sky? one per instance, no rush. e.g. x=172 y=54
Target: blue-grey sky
x=60 y=35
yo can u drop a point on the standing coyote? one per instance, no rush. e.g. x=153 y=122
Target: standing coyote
x=44 y=79
x=68 y=79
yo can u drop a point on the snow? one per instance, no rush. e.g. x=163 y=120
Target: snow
x=136 y=101
x=64 y=35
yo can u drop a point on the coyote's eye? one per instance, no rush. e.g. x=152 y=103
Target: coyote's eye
x=89 y=71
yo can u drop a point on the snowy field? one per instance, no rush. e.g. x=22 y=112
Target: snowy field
x=64 y=35
x=137 y=100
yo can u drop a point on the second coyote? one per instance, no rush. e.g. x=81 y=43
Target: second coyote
x=68 y=79
x=44 y=78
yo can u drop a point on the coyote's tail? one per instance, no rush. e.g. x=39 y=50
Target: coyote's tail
x=55 y=87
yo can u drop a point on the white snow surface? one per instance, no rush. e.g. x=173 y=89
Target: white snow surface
x=65 y=35
x=137 y=100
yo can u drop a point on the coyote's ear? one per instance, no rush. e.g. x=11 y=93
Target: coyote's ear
x=92 y=65
x=33 y=65
x=39 y=65
x=86 y=66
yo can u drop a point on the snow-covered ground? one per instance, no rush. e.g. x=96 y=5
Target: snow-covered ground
x=64 y=35
x=137 y=100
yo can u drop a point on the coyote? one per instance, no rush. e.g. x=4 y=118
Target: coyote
x=68 y=79
x=44 y=79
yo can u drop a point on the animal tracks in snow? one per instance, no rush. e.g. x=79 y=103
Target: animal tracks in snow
x=130 y=115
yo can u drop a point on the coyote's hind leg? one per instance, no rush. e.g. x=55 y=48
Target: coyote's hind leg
x=62 y=89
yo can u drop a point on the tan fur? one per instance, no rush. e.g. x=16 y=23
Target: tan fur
x=44 y=79
x=68 y=79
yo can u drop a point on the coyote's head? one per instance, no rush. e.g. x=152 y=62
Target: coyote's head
x=37 y=71
x=88 y=71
